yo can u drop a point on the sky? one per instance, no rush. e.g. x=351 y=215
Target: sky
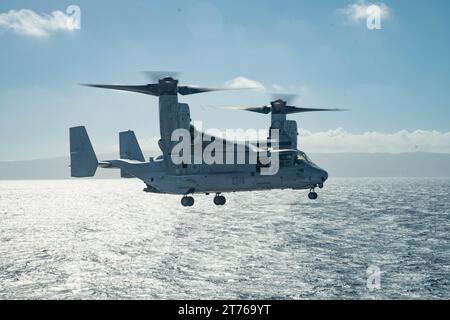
x=395 y=79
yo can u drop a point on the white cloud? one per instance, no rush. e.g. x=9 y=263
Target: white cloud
x=243 y=82
x=362 y=10
x=339 y=140
x=29 y=23
x=301 y=90
x=342 y=141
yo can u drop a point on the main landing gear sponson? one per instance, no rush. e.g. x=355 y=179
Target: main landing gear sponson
x=187 y=201
x=312 y=195
x=219 y=200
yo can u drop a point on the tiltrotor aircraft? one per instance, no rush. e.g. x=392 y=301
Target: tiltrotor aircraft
x=163 y=175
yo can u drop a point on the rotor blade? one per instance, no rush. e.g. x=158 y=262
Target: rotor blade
x=292 y=109
x=287 y=109
x=193 y=89
x=187 y=90
x=283 y=150
x=272 y=150
x=155 y=76
x=149 y=89
x=263 y=109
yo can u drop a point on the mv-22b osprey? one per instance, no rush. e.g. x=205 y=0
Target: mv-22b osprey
x=162 y=175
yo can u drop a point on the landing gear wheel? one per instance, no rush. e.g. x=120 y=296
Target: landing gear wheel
x=219 y=200
x=187 y=201
x=312 y=195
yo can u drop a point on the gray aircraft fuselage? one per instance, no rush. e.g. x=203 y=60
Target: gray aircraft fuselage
x=303 y=174
x=162 y=175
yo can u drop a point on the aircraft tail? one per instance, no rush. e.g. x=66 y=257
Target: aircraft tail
x=129 y=149
x=83 y=161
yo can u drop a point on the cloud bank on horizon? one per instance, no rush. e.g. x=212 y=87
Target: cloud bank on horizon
x=339 y=140
x=29 y=23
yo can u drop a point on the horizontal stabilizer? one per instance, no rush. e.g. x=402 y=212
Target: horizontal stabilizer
x=83 y=161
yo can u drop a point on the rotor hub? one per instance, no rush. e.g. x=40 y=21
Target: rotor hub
x=278 y=106
x=168 y=86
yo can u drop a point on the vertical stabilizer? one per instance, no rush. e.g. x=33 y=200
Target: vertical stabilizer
x=83 y=161
x=129 y=149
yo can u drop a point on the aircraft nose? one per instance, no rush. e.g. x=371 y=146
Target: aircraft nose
x=324 y=175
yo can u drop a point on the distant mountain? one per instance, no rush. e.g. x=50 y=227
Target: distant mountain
x=416 y=164
x=43 y=169
x=337 y=165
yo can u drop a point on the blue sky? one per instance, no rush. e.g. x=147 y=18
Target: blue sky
x=396 y=80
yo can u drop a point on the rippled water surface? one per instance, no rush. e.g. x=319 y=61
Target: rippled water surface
x=105 y=239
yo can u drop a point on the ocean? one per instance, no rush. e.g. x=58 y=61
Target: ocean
x=106 y=239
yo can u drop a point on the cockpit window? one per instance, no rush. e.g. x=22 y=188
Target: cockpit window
x=301 y=156
x=299 y=159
